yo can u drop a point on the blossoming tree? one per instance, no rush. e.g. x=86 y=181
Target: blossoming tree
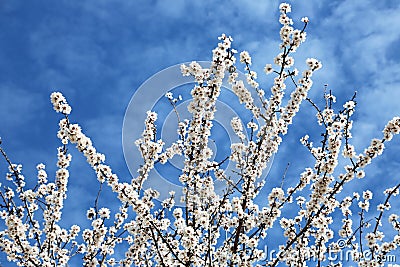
x=210 y=229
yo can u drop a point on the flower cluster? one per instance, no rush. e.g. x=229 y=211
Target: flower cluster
x=59 y=103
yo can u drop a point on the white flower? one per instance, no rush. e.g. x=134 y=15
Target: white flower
x=169 y=95
x=245 y=57
x=104 y=213
x=367 y=195
x=91 y=213
x=285 y=8
x=268 y=69
x=313 y=64
x=349 y=105
x=40 y=166
x=305 y=19
x=360 y=174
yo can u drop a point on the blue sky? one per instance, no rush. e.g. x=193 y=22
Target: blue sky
x=99 y=52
